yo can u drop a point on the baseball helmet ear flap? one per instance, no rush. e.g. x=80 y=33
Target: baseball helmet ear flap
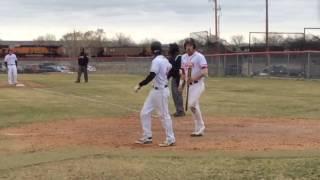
x=190 y=41
x=156 y=47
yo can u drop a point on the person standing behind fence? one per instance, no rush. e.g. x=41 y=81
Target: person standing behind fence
x=175 y=60
x=11 y=62
x=83 y=61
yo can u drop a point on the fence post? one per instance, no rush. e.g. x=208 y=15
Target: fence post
x=288 y=65
x=250 y=71
x=308 y=66
x=219 y=65
x=224 y=65
x=237 y=65
x=126 y=65
x=252 y=64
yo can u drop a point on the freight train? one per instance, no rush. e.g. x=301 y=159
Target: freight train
x=34 y=50
x=31 y=49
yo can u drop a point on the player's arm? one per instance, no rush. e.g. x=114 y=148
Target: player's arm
x=86 y=59
x=182 y=82
x=153 y=72
x=170 y=74
x=6 y=62
x=204 y=73
x=146 y=81
x=16 y=61
x=204 y=69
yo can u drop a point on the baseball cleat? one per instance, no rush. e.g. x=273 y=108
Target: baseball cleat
x=179 y=114
x=194 y=134
x=144 y=141
x=199 y=133
x=167 y=144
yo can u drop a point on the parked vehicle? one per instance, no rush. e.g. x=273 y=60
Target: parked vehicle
x=63 y=68
x=91 y=68
x=280 y=70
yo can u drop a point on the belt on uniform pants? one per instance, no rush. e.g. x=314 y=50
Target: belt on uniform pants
x=194 y=82
x=11 y=64
x=157 y=88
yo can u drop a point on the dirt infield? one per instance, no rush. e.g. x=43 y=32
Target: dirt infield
x=247 y=134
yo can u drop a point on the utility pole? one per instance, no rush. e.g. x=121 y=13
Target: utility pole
x=267 y=25
x=216 y=22
x=216 y=19
x=267 y=33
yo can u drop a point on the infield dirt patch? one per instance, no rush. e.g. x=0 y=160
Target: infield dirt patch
x=233 y=134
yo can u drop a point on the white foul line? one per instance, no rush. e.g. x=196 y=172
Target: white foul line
x=79 y=97
x=94 y=100
x=89 y=99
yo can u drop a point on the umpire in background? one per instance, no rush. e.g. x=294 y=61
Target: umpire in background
x=83 y=61
x=175 y=60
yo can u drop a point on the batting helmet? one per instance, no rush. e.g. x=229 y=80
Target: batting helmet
x=173 y=48
x=156 y=47
x=190 y=41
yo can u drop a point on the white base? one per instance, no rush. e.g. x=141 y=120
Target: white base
x=20 y=85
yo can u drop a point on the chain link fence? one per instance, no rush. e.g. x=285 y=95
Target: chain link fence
x=302 y=64
x=305 y=64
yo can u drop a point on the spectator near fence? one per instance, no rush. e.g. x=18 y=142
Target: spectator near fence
x=83 y=61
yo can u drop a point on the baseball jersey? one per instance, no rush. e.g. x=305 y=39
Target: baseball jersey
x=196 y=61
x=161 y=67
x=11 y=59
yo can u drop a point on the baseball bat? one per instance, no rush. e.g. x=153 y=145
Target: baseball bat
x=188 y=85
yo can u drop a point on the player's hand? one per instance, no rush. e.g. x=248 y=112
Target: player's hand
x=136 y=88
x=190 y=80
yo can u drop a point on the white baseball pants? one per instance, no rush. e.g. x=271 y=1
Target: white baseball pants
x=157 y=100
x=195 y=92
x=12 y=74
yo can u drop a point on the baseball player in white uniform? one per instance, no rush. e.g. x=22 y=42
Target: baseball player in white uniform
x=196 y=63
x=158 y=98
x=11 y=62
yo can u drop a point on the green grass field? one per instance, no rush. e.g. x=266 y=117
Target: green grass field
x=57 y=98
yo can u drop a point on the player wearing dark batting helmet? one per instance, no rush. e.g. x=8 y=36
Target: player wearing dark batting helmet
x=158 y=98
x=156 y=48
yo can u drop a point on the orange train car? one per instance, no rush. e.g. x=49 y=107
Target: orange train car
x=33 y=50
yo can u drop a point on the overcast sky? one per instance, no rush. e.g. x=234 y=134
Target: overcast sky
x=165 y=20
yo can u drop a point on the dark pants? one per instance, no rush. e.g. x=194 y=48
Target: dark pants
x=177 y=96
x=82 y=69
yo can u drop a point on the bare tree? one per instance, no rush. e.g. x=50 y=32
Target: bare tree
x=122 y=40
x=147 y=42
x=276 y=40
x=93 y=41
x=47 y=37
x=237 y=40
x=72 y=42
